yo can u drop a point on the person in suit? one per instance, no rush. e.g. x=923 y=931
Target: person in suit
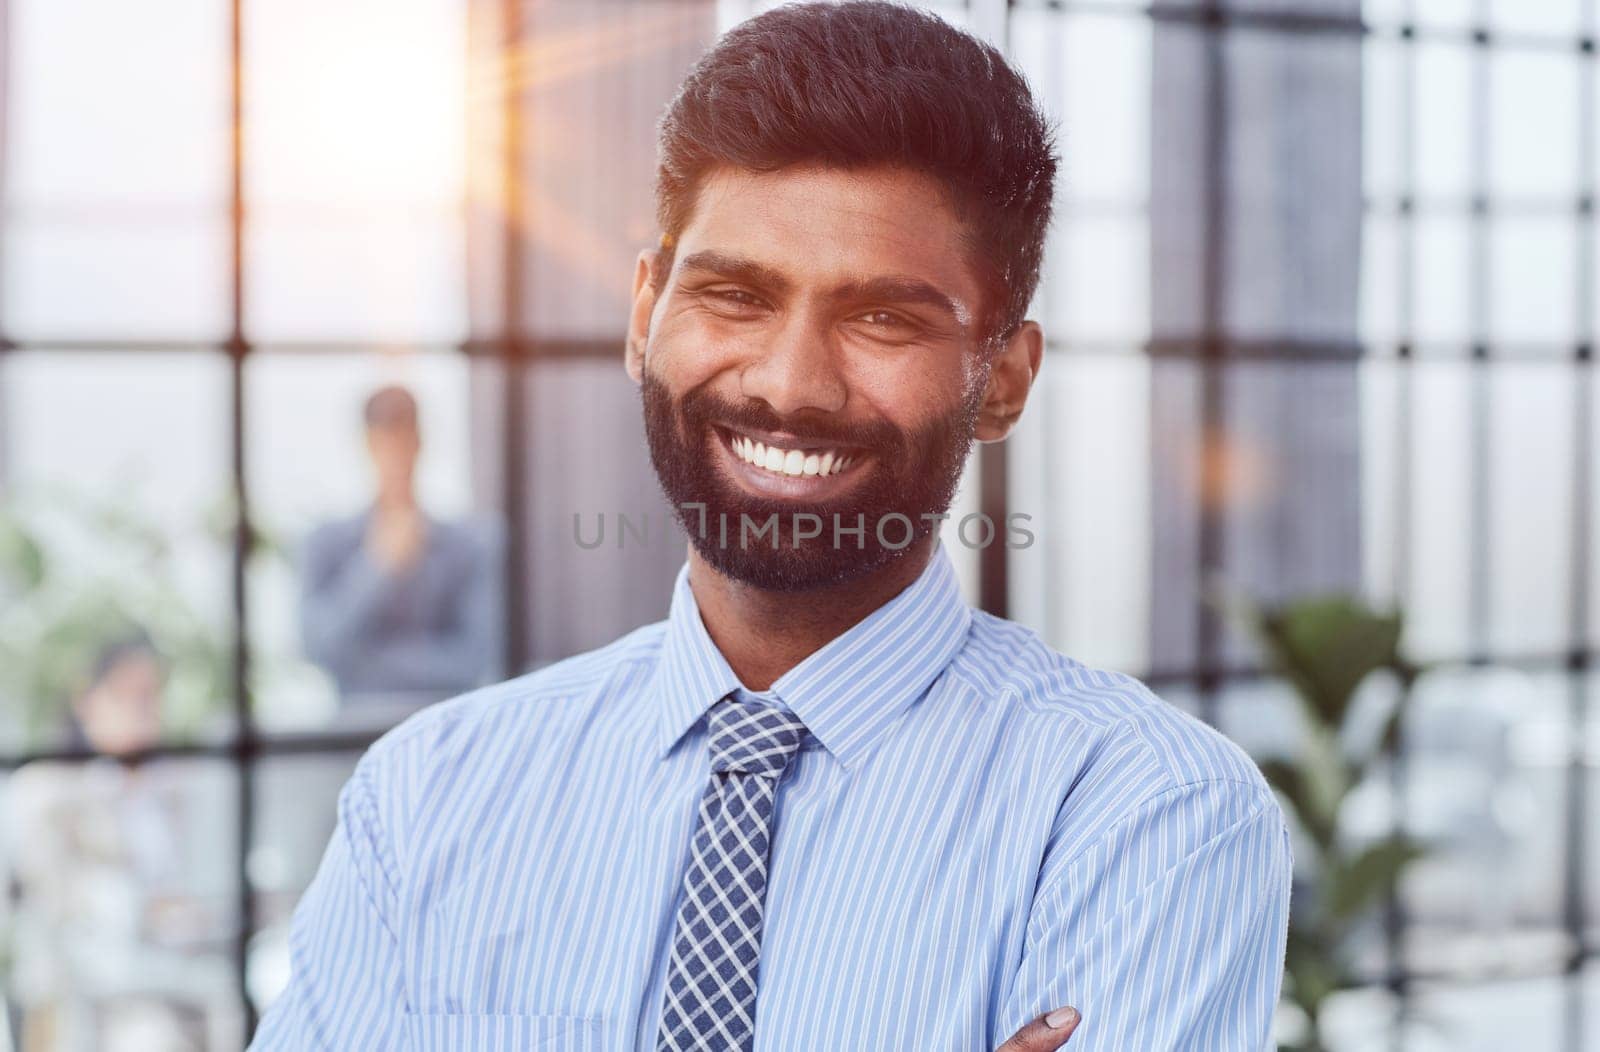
x=395 y=602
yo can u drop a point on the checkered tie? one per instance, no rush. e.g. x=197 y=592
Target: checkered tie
x=711 y=979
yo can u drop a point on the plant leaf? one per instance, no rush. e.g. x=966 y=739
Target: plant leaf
x=1327 y=645
x=1359 y=883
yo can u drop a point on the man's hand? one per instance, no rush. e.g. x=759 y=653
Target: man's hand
x=1045 y=1034
x=396 y=536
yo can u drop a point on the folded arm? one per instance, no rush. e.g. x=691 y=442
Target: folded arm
x=1167 y=930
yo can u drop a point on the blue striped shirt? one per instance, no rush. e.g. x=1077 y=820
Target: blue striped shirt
x=978 y=831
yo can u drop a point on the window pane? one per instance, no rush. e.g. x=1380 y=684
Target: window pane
x=1380 y=397
x=1080 y=468
x=1385 y=12
x=1444 y=311
x=1528 y=1013
x=122 y=905
x=1533 y=124
x=1530 y=508
x=1443 y=119
x=1485 y=789
x=392 y=623
x=1097 y=285
x=1441 y=566
x=295 y=811
x=1383 y=116
x=116 y=177
x=1092 y=74
x=1533 y=283
x=116 y=509
x=1444 y=14
x=1552 y=17
x=355 y=169
x=1592 y=378
x=1380 y=279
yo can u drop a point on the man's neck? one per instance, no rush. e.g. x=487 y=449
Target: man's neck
x=764 y=634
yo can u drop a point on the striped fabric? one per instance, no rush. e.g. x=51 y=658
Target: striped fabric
x=977 y=831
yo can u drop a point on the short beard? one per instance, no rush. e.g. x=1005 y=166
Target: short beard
x=913 y=474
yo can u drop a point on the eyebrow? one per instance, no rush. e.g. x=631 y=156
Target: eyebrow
x=739 y=269
x=903 y=290
x=882 y=290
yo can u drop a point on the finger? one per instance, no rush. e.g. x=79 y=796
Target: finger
x=1045 y=1034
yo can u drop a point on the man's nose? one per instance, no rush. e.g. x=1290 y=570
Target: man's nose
x=797 y=370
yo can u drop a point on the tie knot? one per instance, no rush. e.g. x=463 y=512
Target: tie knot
x=754 y=739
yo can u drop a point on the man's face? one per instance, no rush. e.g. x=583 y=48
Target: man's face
x=394 y=447
x=815 y=349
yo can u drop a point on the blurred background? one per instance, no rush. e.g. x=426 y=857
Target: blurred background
x=310 y=352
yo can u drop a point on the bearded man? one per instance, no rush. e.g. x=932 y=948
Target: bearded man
x=824 y=805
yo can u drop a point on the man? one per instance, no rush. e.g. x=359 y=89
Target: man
x=393 y=603
x=825 y=805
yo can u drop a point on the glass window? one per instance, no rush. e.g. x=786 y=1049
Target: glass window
x=1381 y=289
x=1443 y=119
x=1485 y=787
x=296 y=808
x=1383 y=116
x=356 y=170
x=1530 y=508
x=1545 y=17
x=1533 y=284
x=1438 y=612
x=1528 y=1013
x=116 y=510
x=1080 y=469
x=1533 y=122
x=1381 y=392
x=1097 y=287
x=1443 y=311
x=1445 y=14
x=115 y=200
x=120 y=905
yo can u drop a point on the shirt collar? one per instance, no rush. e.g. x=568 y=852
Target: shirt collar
x=850 y=690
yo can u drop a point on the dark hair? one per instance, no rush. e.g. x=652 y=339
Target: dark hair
x=866 y=84
x=390 y=406
x=132 y=641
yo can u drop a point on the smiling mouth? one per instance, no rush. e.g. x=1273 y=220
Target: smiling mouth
x=795 y=462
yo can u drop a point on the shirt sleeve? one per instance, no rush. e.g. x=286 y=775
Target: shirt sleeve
x=1167 y=931
x=345 y=988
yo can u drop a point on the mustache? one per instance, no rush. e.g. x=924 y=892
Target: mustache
x=702 y=408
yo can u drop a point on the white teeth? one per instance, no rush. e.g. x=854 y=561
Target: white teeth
x=794 y=463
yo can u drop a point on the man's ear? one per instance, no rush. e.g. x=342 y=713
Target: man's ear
x=1011 y=375
x=644 y=302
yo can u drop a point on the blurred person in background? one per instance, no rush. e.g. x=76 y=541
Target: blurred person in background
x=395 y=604
x=113 y=915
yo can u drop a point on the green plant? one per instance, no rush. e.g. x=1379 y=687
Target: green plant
x=77 y=572
x=1327 y=647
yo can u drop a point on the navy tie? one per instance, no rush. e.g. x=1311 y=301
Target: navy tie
x=711 y=979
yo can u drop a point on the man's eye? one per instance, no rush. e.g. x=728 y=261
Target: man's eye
x=886 y=321
x=735 y=296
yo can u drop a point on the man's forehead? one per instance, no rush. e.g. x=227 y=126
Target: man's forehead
x=827 y=221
